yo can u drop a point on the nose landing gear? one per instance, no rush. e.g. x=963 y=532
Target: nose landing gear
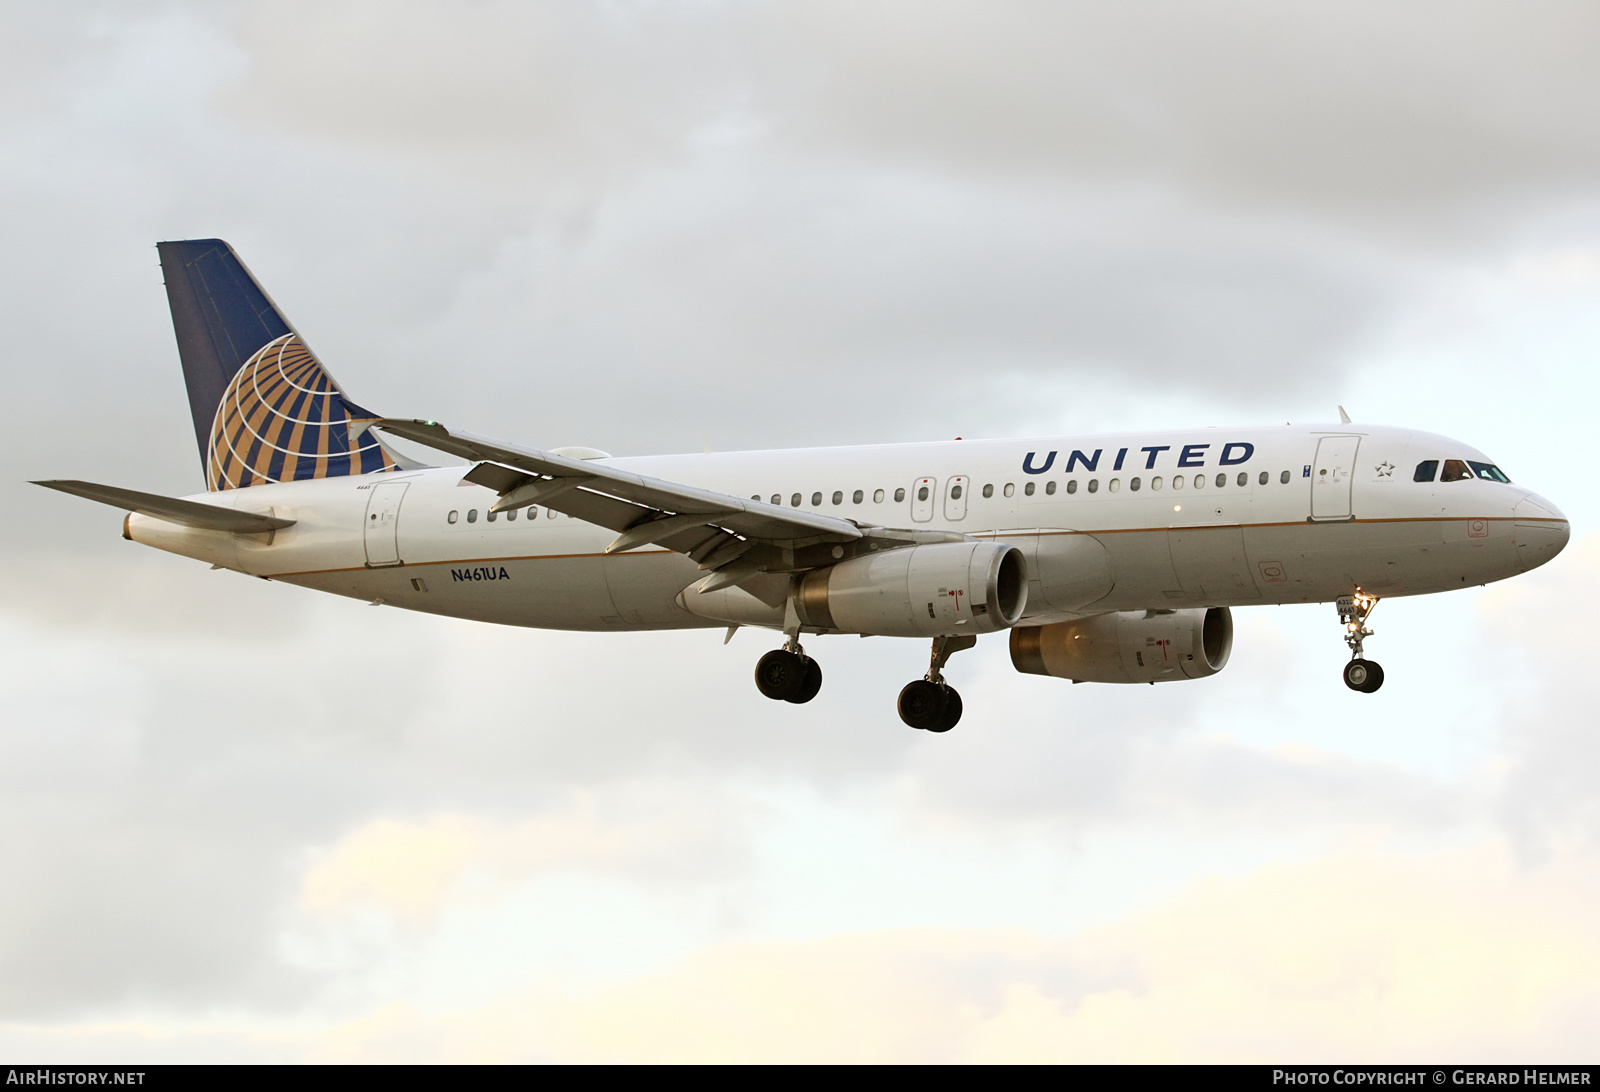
x=930 y=703
x=788 y=674
x=1360 y=674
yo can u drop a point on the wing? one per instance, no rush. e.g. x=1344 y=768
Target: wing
x=734 y=537
x=188 y=513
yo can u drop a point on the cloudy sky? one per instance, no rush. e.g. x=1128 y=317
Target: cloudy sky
x=238 y=821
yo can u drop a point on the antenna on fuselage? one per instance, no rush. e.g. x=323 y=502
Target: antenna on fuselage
x=1344 y=418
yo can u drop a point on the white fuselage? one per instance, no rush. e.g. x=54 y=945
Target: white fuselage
x=1154 y=521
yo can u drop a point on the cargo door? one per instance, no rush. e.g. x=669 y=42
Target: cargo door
x=381 y=533
x=1211 y=565
x=1331 y=475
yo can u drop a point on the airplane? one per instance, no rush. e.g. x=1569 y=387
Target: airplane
x=1110 y=558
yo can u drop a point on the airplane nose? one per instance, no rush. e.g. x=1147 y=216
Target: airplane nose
x=1540 y=530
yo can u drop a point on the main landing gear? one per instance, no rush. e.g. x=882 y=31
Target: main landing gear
x=930 y=703
x=788 y=674
x=1359 y=674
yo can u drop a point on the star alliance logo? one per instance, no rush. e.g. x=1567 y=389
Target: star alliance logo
x=1385 y=469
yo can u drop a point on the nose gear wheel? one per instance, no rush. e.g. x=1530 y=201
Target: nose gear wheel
x=1360 y=674
x=1363 y=675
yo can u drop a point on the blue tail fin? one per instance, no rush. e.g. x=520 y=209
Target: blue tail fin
x=264 y=408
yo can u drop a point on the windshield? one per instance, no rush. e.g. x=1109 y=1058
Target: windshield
x=1461 y=470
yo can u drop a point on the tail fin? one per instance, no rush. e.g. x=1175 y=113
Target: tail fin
x=265 y=410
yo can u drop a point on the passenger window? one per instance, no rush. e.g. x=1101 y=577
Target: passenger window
x=1427 y=469
x=1027 y=490
x=491 y=515
x=816 y=500
x=1177 y=481
x=1094 y=485
x=755 y=496
x=1284 y=477
x=1114 y=485
x=1050 y=489
x=1244 y=479
x=472 y=515
x=511 y=513
x=1133 y=485
x=533 y=513
x=922 y=494
x=451 y=518
x=1155 y=483
x=1222 y=480
x=877 y=496
x=1455 y=470
x=955 y=492
x=1199 y=481
x=988 y=491
x=1072 y=485
x=899 y=495
x=838 y=497
x=857 y=497
x=1010 y=489
x=549 y=513
x=777 y=498
x=1263 y=479
x=1488 y=472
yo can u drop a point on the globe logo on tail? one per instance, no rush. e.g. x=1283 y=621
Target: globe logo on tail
x=282 y=418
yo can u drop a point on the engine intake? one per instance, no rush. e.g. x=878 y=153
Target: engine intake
x=1127 y=647
x=918 y=591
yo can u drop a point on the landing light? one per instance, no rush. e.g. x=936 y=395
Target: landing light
x=1177 y=507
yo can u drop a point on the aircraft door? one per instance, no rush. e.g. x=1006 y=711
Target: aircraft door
x=1211 y=564
x=381 y=531
x=955 y=498
x=922 y=499
x=1331 y=475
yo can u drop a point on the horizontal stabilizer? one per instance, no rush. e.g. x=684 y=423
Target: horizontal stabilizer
x=188 y=513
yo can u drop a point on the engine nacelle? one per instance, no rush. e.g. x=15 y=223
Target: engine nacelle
x=1128 y=647
x=918 y=591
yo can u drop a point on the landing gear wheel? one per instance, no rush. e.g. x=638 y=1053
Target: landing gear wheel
x=781 y=675
x=811 y=684
x=923 y=704
x=952 y=711
x=1361 y=674
x=1364 y=676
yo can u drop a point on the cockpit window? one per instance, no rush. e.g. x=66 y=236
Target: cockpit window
x=1489 y=472
x=1455 y=471
x=1426 y=470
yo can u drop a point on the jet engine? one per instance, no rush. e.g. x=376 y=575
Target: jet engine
x=1127 y=647
x=918 y=591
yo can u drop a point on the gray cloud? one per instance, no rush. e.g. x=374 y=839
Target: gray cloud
x=637 y=226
